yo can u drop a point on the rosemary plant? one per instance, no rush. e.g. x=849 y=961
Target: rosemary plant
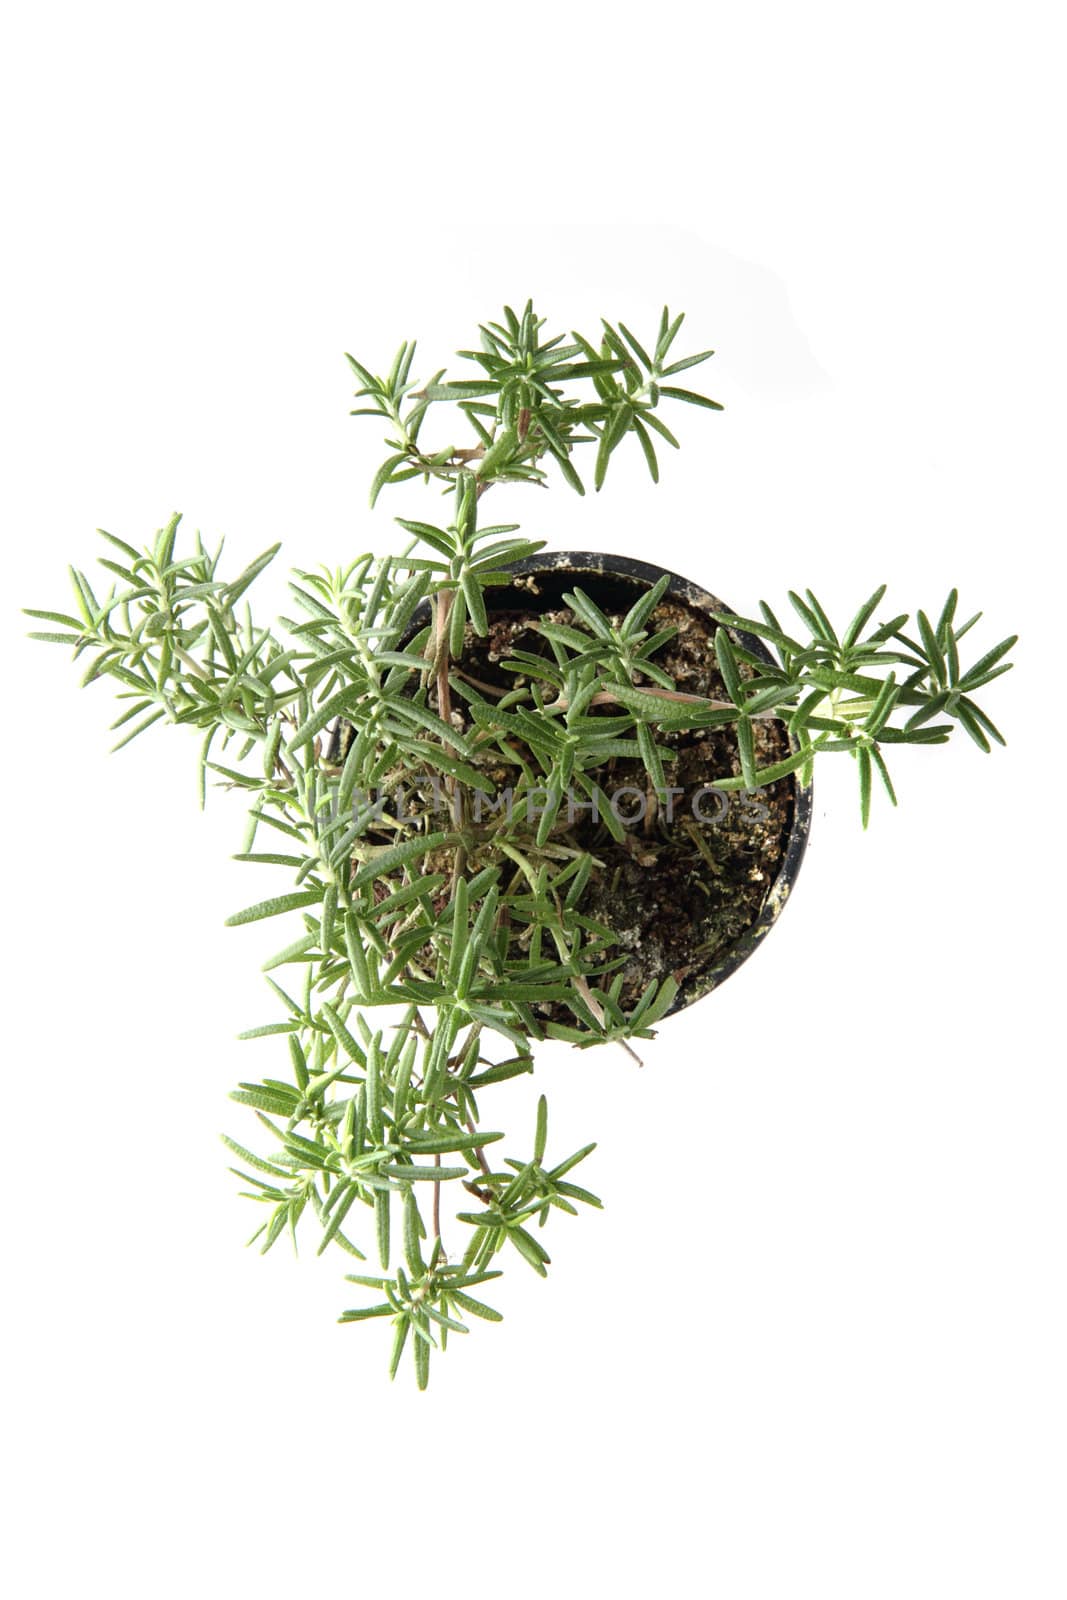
x=470 y=928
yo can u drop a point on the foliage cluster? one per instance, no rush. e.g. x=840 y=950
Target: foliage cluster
x=466 y=933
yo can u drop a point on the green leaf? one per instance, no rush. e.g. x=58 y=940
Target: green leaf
x=274 y=1102
x=408 y=1172
x=412 y=1235
x=771 y=774
x=530 y=1250
x=475 y=1308
x=638 y=349
x=617 y=426
x=436 y=537
x=463 y=389
x=387 y=859
x=234 y=590
x=972 y=678
x=731 y=678
x=646 y=445
x=422 y=1360
x=825 y=628
x=399 y=1340
x=746 y=752
x=341 y=700
x=382 y=1201
x=338 y=1213
x=362 y=1313
x=984 y=722
x=541 y=1137
x=457 y=621
x=648 y=706
x=472 y=593
x=863 y=757
x=445 y=1143
x=808 y=616
x=59 y=617
x=683 y=365
x=862 y=617
x=879 y=761
x=689 y=397
x=385 y=474
x=512 y=1068
x=274 y=908
x=343 y=1036
x=252 y=1160
x=933 y=649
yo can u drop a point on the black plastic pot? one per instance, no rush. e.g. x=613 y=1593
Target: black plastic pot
x=614 y=583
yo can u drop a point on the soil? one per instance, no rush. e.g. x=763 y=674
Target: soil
x=681 y=889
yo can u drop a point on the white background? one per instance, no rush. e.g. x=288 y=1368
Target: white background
x=814 y=1343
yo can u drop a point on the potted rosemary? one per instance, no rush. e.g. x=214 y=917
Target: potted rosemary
x=520 y=796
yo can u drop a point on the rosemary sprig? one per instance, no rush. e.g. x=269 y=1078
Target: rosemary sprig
x=469 y=921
